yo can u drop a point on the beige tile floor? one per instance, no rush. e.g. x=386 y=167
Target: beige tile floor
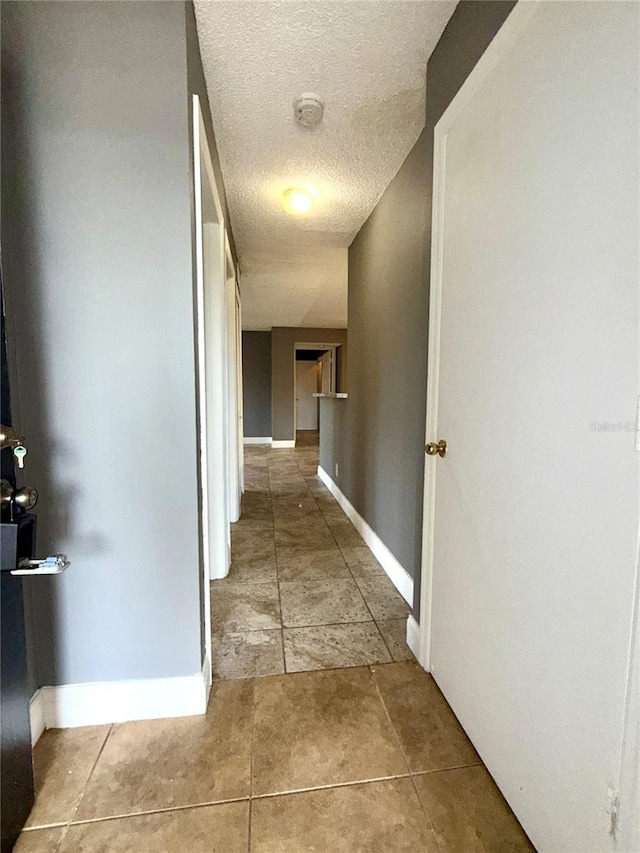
x=351 y=760
x=335 y=759
x=304 y=591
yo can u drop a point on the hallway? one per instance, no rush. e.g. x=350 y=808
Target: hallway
x=363 y=756
x=304 y=591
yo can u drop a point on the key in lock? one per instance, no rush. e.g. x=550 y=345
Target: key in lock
x=20 y=451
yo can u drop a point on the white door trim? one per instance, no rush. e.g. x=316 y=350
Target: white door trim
x=202 y=382
x=233 y=460
x=239 y=386
x=215 y=401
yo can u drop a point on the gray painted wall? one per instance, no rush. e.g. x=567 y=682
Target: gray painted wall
x=256 y=378
x=96 y=243
x=283 y=340
x=377 y=435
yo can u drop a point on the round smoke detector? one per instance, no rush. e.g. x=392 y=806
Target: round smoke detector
x=308 y=110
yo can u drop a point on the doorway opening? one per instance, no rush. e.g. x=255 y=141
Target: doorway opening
x=219 y=371
x=316 y=374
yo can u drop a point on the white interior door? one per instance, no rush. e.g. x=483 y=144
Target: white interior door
x=531 y=519
x=306 y=387
x=328 y=372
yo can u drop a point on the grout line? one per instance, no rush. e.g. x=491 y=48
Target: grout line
x=388 y=716
x=284 y=654
x=366 y=603
x=447 y=769
x=309 y=671
x=84 y=788
x=329 y=624
x=62 y=838
x=166 y=810
x=93 y=768
x=350 y=784
x=251 y=754
x=393 y=660
x=427 y=815
x=406 y=758
x=284 y=657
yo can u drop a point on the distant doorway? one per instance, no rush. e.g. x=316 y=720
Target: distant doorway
x=306 y=387
x=316 y=372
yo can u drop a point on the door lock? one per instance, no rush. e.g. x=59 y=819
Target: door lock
x=24 y=498
x=9 y=438
x=439 y=449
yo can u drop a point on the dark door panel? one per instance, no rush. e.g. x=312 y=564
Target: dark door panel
x=18 y=540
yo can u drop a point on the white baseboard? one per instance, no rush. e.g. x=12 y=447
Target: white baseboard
x=101 y=702
x=398 y=575
x=37 y=716
x=413 y=636
x=269 y=442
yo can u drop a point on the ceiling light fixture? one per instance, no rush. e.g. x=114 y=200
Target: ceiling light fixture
x=297 y=200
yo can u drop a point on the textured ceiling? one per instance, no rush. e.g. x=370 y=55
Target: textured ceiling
x=366 y=60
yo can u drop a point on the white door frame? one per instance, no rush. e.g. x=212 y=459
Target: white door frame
x=627 y=808
x=233 y=457
x=202 y=387
x=239 y=387
x=212 y=362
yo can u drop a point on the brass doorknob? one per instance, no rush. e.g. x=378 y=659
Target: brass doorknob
x=439 y=449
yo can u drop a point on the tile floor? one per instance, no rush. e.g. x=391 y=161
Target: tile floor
x=351 y=760
x=304 y=591
x=335 y=759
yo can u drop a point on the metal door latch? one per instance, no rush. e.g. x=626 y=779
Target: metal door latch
x=52 y=565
